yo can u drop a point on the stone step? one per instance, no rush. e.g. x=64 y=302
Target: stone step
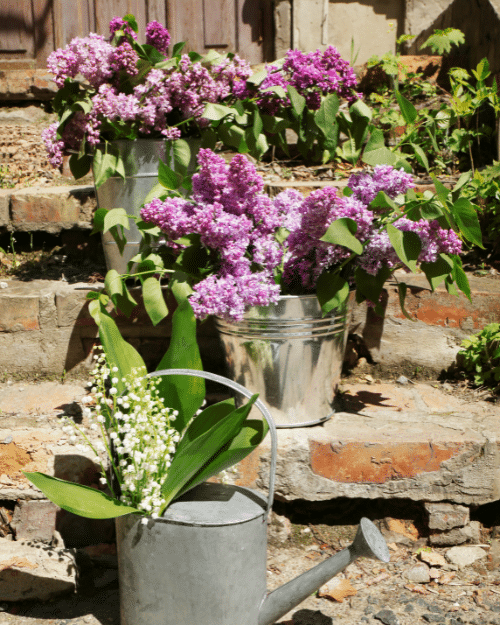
x=387 y=441
x=45 y=327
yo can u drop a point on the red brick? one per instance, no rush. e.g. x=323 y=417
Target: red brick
x=34 y=520
x=19 y=314
x=378 y=463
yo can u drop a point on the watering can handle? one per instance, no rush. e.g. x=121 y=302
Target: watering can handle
x=246 y=393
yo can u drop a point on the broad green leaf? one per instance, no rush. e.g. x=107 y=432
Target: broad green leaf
x=232 y=135
x=402 y=288
x=437 y=271
x=360 y=109
x=371 y=286
x=132 y=22
x=274 y=124
x=80 y=166
x=466 y=217
x=182 y=155
x=154 y=302
x=212 y=56
x=257 y=78
x=441 y=191
x=116 y=217
x=277 y=89
x=257 y=125
x=158 y=191
x=450 y=286
x=168 y=178
x=332 y=291
x=382 y=200
x=181 y=392
x=194 y=455
x=408 y=111
x=79 y=499
x=375 y=141
x=118 y=352
x=216 y=112
x=341 y=232
x=379 y=156
x=482 y=70
x=460 y=277
x=119 y=293
x=325 y=116
x=420 y=156
x=105 y=165
x=441 y=41
x=177 y=49
x=251 y=435
x=407 y=246
x=297 y=101
x=206 y=420
x=464 y=179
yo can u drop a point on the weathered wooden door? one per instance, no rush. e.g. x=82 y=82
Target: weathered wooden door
x=31 y=29
x=242 y=26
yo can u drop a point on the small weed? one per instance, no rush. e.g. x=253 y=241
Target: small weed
x=479 y=357
x=6 y=181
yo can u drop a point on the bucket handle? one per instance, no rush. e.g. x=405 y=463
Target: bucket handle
x=246 y=393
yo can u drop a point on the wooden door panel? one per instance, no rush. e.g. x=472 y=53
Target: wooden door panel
x=219 y=24
x=16 y=29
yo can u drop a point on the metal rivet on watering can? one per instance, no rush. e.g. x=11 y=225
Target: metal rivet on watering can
x=204 y=561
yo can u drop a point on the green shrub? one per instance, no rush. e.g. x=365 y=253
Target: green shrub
x=480 y=357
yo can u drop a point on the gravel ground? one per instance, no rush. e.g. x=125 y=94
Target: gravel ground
x=366 y=592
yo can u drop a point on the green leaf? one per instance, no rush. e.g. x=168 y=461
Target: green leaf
x=408 y=111
x=168 y=178
x=194 y=455
x=460 y=277
x=257 y=125
x=257 y=78
x=466 y=217
x=441 y=41
x=251 y=435
x=158 y=191
x=80 y=166
x=341 y=232
x=215 y=112
x=277 y=89
x=132 y=22
x=482 y=70
x=119 y=353
x=297 y=101
x=105 y=165
x=181 y=392
x=205 y=421
x=382 y=200
x=116 y=217
x=420 y=156
x=232 y=135
x=437 y=271
x=441 y=191
x=118 y=292
x=325 y=116
x=407 y=246
x=154 y=302
x=370 y=287
x=332 y=291
x=79 y=499
x=177 y=49
x=402 y=296
x=182 y=155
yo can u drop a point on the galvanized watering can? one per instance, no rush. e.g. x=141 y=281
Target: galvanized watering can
x=204 y=561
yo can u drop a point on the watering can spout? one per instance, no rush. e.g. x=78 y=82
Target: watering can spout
x=368 y=542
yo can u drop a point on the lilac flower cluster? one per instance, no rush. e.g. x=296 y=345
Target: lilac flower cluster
x=385 y=178
x=163 y=99
x=157 y=36
x=313 y=75
x=242 y=230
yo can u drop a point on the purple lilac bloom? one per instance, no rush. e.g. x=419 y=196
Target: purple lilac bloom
x=434 y=239
x=54 y=146
x=157 y=36
x=307 y=256
x=117 y=23
x=89 y=56
x=385 y=178
x=125 y=58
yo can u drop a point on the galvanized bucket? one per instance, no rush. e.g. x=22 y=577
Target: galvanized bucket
x=204 y=561
x=141 y=159
x=291 y=355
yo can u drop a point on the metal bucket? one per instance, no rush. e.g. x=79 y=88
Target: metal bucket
x=289 y=354
x=204 y=561
x=141 y=159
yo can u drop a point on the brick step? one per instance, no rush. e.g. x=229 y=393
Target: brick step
x=45 y=327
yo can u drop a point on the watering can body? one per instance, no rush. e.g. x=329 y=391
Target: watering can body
x=203 y=562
